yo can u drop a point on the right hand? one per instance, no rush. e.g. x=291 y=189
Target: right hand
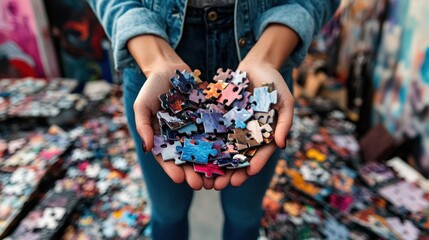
x=147 y=104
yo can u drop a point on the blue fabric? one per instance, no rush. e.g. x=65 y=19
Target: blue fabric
x=124 y=19
x=204 y=45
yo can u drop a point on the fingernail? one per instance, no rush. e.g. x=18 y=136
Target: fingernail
x=144 y=146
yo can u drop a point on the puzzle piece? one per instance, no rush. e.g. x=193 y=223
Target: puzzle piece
x=167 y=149
x=214 y=90
x=262 y=99
x=259 y=132
x=51 y=217
x=230 y=94
x=174 y=122
x=216 y=108
x=243 y=139
x=196 y=151
x=213 y=122
x=250 y=152
x=406 y=195
x=240 y=124
x=269 y=85
x=188 y=130
x=240 y=157
x=227 y=162
x=222 y=150
x=173 y=101
x=403 y=229
x=197 y=96
x=240 y=165
x=223 y=76
x=243 y=103
x=235 y=116
x=92 y=171
x=334 y=230
x=209 y=170
x=264 y=117
x=167 y=132
x=196 y=75
x=183 y=82
x=238 y=77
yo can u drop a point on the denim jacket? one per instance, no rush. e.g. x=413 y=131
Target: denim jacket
x=125 y=19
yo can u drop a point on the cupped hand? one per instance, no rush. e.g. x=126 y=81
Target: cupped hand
x=259 y=73
x=146 y=106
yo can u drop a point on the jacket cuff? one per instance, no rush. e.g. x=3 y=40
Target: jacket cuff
x=135 y=22
x=295 y=17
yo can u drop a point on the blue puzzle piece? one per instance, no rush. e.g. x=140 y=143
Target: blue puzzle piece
x=129 y=218
x=237 y=116
x=262 y=99
x=213 y=122
x=196 y=151
x=333 y=230
x=240 y=124
x=188 y=130
x=183 y=82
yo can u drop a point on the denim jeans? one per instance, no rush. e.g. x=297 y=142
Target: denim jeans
x=206 y=45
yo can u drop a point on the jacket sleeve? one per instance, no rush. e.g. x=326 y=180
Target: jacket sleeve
x=123 y=20
x=305 y=17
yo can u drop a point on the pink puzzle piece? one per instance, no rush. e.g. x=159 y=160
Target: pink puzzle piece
x=231 y=93
x=209 y=170
x=223 y=76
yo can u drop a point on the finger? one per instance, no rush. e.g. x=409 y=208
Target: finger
x=143 y=117
x=194 y=180
x=260 y=159
x=239 y=177
x=208 y=183
x=284 y=123
x=222 y=181
x=175 y=172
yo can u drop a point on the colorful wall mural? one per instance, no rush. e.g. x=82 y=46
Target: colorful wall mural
x=25 y=44
x=401 y=74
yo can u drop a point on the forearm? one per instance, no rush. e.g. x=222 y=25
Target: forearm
x=151 y=51
x=274 y=46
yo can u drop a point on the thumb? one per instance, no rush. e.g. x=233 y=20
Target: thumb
x=284 y=123
x=143 y=116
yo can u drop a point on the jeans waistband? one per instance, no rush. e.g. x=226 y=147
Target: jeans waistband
x=211 y=17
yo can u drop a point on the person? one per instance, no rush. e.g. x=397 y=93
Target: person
x=153 y=38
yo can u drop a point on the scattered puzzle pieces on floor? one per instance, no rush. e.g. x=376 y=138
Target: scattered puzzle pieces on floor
x=215 y=125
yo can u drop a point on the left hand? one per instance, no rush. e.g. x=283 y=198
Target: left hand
x=258 y=73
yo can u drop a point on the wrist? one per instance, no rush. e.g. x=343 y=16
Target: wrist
x=153 y=53
x=274 y=46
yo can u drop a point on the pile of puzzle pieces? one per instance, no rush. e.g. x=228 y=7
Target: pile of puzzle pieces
x=94 y=188
x=32 y=97
x=322 y=189
x=23 y=164
x=214 y=125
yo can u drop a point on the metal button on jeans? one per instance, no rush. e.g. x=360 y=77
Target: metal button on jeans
x=212 y=16
x=242 y=41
